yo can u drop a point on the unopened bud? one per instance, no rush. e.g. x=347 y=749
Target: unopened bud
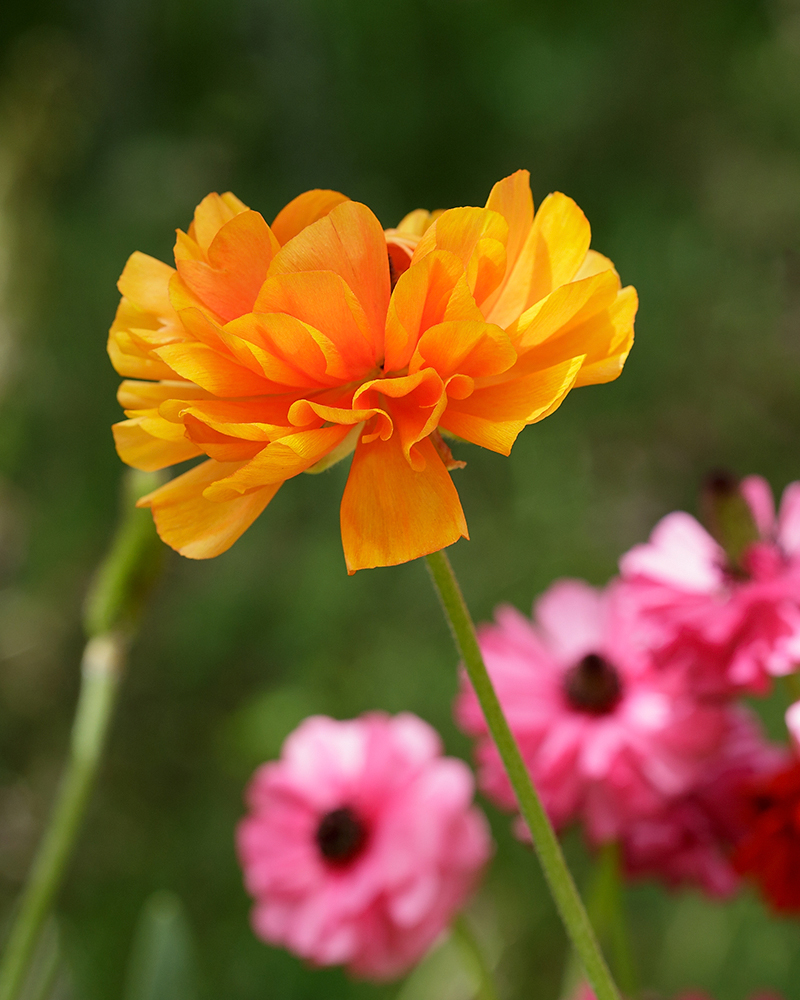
x=727 y=515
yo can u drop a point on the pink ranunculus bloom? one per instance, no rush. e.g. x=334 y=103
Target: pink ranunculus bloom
x=606 y=737
x=689 y=841
x=361 y=843
x=730 y=628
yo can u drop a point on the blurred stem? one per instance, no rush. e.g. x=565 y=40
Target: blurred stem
x=606 y=908
x=559 y=879
x=112 y=608
x=475 y=956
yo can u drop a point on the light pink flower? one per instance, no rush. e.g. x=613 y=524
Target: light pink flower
x=730 y=627
x=689 y=841
x=361 y=843
x=605 y=736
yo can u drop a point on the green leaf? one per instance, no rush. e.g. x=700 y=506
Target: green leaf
x=162 y=964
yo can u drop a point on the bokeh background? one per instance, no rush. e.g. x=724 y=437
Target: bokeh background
x=676 y=127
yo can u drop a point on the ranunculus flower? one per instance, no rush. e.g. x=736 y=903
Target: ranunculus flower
x=279 y=350
x=730 y=626
x=361 y=843
x=689 y=841
x=769 y=850
x=607 y=738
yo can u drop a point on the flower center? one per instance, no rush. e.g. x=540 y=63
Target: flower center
x=340 y=835
x=593 y=685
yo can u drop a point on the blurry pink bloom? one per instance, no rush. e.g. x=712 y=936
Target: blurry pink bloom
x=729 y=627
x=606 y=738
x=361 y=843
x=689 y=840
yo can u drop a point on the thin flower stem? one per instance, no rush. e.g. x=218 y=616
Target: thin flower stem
x=558 y=876
x=470 y=947
x=607 y=912
x=121 y=585
x=101 y=671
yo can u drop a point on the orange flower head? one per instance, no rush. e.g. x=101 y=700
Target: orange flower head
x=276 y=350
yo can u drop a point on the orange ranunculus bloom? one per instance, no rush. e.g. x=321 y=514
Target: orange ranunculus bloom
x=278 y=350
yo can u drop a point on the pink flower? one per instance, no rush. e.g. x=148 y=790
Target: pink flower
x=606 y=737
x=361 y=843
x=689 y=840
x=731 y=627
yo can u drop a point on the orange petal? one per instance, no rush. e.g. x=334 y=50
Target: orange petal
x=350 y=242
x=135 y=395
x=279 y=461
x=143 y=451
x=323 y=301
x=512 y=199
x=132 y=361
x=238 y=259
x=390 y=513
x=199 y=528
x=493 y=415
x=566 y=305
x=263 y=419
x=211 y=215
x=222 y=447
x=607 y=354
x=303 y=210
x=290 y=352
x=557 y=245
x=477 y=236
x=469 y=348
x=211 y=370
x=433 y=290
x=145 y=281
x=414 y=404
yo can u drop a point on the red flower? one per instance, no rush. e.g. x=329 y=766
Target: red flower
x=770 y=850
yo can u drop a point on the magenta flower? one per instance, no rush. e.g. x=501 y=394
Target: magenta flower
x=731 y=627
x=689 y=841
x=606 y=737
x=361 y=843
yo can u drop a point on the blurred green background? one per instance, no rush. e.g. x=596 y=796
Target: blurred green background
x=676 y=127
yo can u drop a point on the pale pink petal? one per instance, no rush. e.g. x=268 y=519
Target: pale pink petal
x=680 y=552
x=789 y=520
x=758 y=494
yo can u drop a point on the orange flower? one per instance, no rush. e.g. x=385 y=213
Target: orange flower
x=279 y=350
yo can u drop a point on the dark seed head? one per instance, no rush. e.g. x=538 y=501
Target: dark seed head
x=340 y=835
x=593 y=685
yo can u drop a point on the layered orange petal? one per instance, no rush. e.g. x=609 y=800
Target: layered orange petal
x=391 y=513
x=279 y=461
x=302 y=211
x=348 y=241
x=228 y=275
x=199 y=528
x=138 y=447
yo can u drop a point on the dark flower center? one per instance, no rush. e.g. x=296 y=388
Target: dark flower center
x=340 y=835
x=593 y=685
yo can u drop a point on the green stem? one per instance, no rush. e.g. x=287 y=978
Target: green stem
x=607 y=912
x=474 y=954
x=562 y=886
x=114 y=603
x=101 y=670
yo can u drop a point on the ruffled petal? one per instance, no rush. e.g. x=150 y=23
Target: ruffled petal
x=348 y=241
x=136 y=447
x=557 y=245
x=476 y=349
x=306 y=208
x=211 y=370
x=145 y=281
x=390 y=513
x=493 y=415
x=236 y=264
x=477 y=236
x=323 y=301
x=279 y=461
x=211 y=215
x=199 y=528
